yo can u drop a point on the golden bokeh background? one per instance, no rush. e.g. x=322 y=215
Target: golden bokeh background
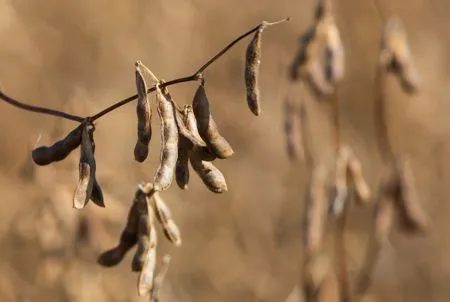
x=244 y=245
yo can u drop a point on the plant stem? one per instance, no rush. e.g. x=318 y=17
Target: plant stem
x=193 y=77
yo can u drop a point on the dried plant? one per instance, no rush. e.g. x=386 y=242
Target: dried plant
x=188 y=134
x=397 y=196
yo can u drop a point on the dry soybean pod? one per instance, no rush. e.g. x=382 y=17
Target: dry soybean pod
x=154 y=296
x=97 y=194
x=143 y=235
x=362 y=189
x=292 y=128
x=169 y=141
x=128 y=237
x=58 y=151
x=147 y=274
x=182 y=165
x=340 y=185
x=209 y=174
x=87 y=167
x=412 y=216
x=207 y=128
x=144 y=116
x=164 y=216
x=252 y=63
x=191 y=122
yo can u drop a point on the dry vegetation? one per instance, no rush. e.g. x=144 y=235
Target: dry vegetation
x=248 y=244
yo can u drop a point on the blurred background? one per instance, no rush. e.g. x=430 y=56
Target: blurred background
x=244 y=245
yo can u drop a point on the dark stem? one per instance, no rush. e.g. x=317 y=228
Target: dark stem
x=194 y=77
x=38 y=109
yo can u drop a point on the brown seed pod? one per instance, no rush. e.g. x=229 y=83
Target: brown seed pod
x=316 y=211
x=209 y=174
x=292 y=127
x=128 y=238
x=154 y=297
x=340 y=185
x=361 y=187
x=191 y=123
x=207 y=127
x=252 y=63
x=87 y=167
x=97 y=194
x=396 y=57
x=412 y=217
x=145 y=228
x=169 y=141
x=146 y=276
x=335 y=61
x=144 y=116
x=164 y=216
x=58 y=151
x=384 y=208
x=328 y=290
x=182 y=166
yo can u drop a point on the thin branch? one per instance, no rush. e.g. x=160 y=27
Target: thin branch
x=193 y=77
x=38 y=109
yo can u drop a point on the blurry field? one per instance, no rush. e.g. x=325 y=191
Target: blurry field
x=243 y=245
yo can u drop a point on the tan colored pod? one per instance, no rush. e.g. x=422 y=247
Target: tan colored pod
x=384 y=208
x=412 y=216
x=191 y=123
x=361 y=187
x=209 y=174
x=58 y=151
x=164 y=217
x=128 y=237
x=335 y=63
x=395 y=55
x=144 y=116
x=154 y=296
x=169 y=141
x=316 y=211
x=292 y=128
x=145 y=228
x=147 y=274
x=340 y=182
x=87 y=167
x=252 y=63
x=207 y=128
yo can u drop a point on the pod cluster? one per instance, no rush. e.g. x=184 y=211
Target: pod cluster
x=320 y=60
x=147 y=208
x=88 y=187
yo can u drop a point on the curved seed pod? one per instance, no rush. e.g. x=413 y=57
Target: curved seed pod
x=154 y=297
x=340 y=185
x=97 y=194
x=146 y=276
x=315 y=270
x=191 y=124
x=362 y=189
x=204 y=153
x=252 y=63
x=87 y=167
x=169 y=141
x=207 y=128
x=209 y=174
x=292 y=128
x=396 y=55
x=412 y=216
x=182 y=166
x=145 y=228
x=58 y=151
x=316 y=211
x=335 y=63
x=128 y=238
x=164 y=216
x=301 y=57
x=144 y=116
